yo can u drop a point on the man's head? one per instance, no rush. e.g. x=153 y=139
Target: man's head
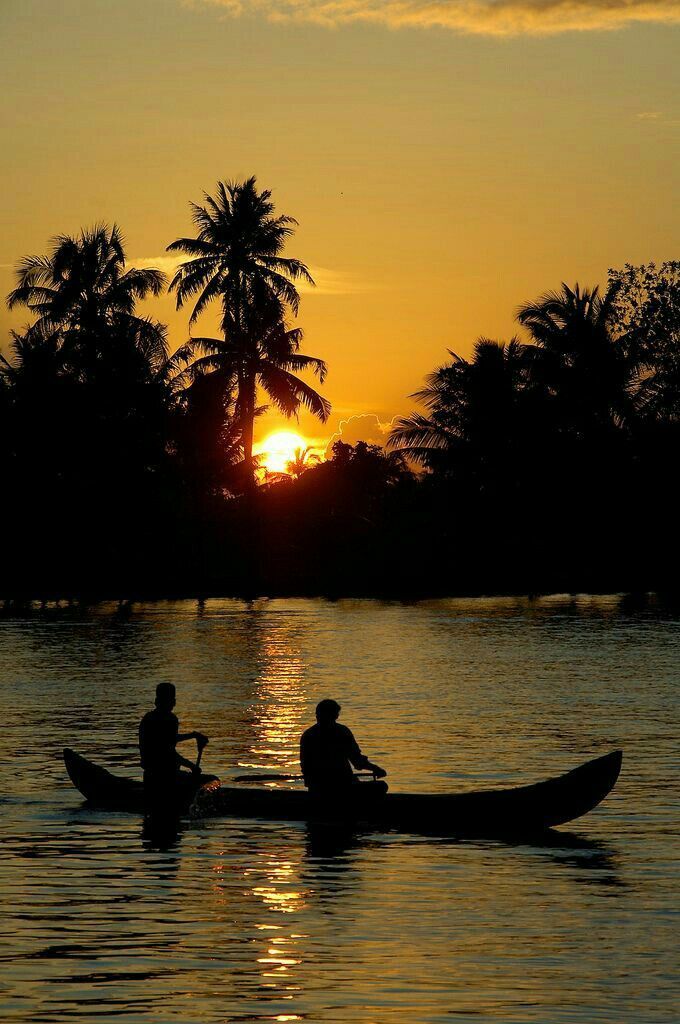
x=165 y=696
x=327 y=711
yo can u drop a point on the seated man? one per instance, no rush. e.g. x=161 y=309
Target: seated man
x=328 y=751
x=158 y=736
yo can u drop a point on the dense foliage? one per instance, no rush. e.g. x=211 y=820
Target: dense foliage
x=546 y=463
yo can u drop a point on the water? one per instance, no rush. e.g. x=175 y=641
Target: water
x=255 y=921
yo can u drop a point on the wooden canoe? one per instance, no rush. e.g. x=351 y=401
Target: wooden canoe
x=499 y=812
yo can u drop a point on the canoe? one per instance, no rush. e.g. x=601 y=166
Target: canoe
x=103 y=789
x=497 y=812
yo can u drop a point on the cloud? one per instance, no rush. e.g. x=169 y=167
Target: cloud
x=168 y=264
x=333 y=282
x=327 y=282
x=364 y=427
x=658 y=117
x=475 y=17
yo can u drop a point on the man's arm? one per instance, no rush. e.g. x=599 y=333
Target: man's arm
x=182 y=737
x=200 y=738
x=360 y=761
x=187 y=764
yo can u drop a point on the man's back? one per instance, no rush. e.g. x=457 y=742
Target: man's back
x=326 y=754
x=157 y=738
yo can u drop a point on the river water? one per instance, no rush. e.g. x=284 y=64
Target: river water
x=255 y=921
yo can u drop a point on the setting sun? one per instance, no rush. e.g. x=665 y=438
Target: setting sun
x=278 y=449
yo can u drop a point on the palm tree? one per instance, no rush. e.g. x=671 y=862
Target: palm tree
x=83 y=290
x=203 y=437
x=579 y=361
x=237 y=258
x=473 y=409
x=88 y=375
x=303 y=460
x=647 y=320
x=266 y=354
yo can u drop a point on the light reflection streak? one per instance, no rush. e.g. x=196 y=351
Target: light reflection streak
x=279 y=708
x=276 y=882
x=277 y=714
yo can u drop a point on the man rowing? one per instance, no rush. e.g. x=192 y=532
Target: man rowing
x=158 y=736
x=328 y=752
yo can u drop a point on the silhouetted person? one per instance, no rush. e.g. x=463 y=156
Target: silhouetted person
x=328 y=752
x=158 y=736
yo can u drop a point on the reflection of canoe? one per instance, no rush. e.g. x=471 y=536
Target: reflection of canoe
x=497 y=812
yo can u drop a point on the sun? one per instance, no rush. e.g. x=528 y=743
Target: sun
x=278 y=449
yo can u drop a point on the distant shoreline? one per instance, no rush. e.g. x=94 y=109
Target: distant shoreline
x=632 y=597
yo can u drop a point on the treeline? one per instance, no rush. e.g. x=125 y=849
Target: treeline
x=537 y=465
x=546 y=465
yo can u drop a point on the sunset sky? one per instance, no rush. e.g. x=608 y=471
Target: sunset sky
x=446 y=160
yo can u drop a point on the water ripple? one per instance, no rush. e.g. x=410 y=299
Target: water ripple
x=254 y=921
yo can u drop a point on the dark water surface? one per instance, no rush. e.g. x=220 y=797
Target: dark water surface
x=255 y=921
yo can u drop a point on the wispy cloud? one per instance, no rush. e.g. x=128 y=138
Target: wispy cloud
x=327 y=282
x=478 y=17
x=168 y=264
x=659 y=118
x=334 y=282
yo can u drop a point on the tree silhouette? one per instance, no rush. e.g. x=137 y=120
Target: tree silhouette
x=87 y=331
x=88 y=396
x=203 y=437
x=262 y=351
x=304 y=459
x=586 y=370
x=548 y=465
x=473 y=410
x=83 y=290
x=238 y=260
x=646 y=317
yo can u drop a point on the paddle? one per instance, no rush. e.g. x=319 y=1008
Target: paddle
x=288 y=778
x=201 y=748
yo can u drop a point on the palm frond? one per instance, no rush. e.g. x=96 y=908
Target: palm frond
x=194 y=247
x=288 y=392
x=298 y=363
x=417 y=435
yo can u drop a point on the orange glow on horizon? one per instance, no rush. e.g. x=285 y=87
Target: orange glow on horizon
x=280 y=448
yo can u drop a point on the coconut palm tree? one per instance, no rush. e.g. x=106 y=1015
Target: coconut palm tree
x=304 y=459
x=261 y=351
x=84 y=290
x=579 y=361
x=88 y=375
x=237 y=258
x=473 y=408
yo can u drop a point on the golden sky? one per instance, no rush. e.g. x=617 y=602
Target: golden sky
x=446 y=159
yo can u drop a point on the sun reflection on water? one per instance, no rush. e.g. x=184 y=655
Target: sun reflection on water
x=276 y=882
x=278 y=711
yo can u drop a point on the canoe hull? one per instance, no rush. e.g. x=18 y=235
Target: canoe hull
x=500 y=812
x=103 y=789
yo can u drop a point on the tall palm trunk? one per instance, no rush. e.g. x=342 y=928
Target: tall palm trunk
x=246 y=401
x=246 y=381
x=252 y=539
